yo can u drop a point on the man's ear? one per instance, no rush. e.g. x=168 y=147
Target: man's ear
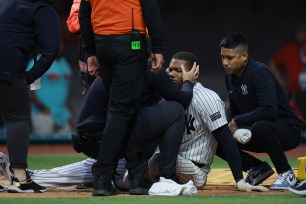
x=244 y=56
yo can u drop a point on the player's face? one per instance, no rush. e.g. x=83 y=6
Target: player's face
x=175 y=72
x=233 y=61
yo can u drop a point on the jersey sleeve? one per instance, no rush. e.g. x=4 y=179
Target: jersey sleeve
x=211 y=108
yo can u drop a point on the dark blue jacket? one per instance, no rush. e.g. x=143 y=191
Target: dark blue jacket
x=256 y=95
x=24 y=25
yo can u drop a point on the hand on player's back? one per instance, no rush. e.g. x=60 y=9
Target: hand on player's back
x=192 y=74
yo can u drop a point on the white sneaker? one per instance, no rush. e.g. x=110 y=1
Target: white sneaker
x=243 y=186
x=242 y=135
x=5 y=166
x=284 y=180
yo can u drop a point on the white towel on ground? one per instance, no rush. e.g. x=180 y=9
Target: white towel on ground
x=168 y=187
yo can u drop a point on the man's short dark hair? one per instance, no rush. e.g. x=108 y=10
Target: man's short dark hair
x=188 y=57
x=235 y=40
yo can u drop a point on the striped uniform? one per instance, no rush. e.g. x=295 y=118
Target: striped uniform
x=205 y=114
x=78 y=174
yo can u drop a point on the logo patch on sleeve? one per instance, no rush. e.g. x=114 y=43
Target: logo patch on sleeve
x=215 y=116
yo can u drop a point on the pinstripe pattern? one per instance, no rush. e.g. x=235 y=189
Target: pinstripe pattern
x=204 y=115
x=72 y=174
x=198 y=143
x=186 y=170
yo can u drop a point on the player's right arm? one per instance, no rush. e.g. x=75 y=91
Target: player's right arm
x=169 y=91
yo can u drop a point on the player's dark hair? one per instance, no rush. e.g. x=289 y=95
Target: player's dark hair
x=234 y=41
x=188 y=57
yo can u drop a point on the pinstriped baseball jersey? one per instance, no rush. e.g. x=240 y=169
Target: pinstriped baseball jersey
x=204 y=115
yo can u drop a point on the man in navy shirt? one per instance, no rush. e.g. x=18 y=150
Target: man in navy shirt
x=257 y=101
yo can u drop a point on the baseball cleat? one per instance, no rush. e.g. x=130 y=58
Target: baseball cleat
x=243 y=186
x=257 y=175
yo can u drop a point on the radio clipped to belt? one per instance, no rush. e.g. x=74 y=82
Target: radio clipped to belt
x=135 y=36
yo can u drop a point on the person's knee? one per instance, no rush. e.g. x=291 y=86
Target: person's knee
x=176 y=109
x=187 y=170
x=87 y=143
x=261 y=129
x=198 y=177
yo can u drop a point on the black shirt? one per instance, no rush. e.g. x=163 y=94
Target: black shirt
x=25 y=25
x=256 y=95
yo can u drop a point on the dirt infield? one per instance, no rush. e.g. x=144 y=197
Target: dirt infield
x=220 y=181
x=208 y=190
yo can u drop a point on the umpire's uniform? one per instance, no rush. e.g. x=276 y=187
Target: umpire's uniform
x=122 y=63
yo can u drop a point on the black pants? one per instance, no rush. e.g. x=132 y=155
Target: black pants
x=273 y=138
x=123 y=76
x=15 y=109
x=162 y=124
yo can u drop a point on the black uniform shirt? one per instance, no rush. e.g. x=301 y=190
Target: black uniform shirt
x=256 y=95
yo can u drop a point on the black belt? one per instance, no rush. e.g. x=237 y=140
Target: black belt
x=117 y=37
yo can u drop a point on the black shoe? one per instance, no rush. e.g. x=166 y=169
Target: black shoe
x=299 y=189
x=26 y=186
x=1 y=188
x=258 y=174
x=139 y=180
x=103 y=182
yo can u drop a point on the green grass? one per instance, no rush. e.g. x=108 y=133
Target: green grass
x=54 y=160
x=262 y=199
x=49 y=161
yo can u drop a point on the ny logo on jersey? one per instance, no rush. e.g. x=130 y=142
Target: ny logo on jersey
x=189 y=120
x=244 y=89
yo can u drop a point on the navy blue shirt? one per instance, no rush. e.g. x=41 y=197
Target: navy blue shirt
x=25 y=25
x=256 y=95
